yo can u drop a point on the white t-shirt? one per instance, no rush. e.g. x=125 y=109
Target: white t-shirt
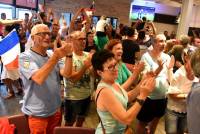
x=101 y=25
x=180 y=84
x=29 y=43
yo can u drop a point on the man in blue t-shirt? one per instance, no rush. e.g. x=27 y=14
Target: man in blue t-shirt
x=40 y=76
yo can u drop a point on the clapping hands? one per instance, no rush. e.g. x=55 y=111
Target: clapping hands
x=147 y=85
x=138 y=67
x=64 y=50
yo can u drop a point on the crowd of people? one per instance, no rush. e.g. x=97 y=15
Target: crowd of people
x=132 y=73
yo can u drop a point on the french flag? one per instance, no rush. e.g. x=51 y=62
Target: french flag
x=10 y=50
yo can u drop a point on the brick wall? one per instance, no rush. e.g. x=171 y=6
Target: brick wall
x=115 y=8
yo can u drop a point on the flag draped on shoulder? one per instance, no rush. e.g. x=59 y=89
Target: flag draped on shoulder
x=10 y=50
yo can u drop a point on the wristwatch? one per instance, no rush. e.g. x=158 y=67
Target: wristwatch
x=140 y=101
x=69 y=56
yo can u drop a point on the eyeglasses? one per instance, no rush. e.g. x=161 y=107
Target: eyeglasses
x=43 y=34
x=112 y=67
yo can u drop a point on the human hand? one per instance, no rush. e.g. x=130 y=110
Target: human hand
x=50 y=11
x=171 y=63
x=146 y=85
x=88 y=62
x=189 y=71
x=65 y=49
x=160 y=67
x=138 y=67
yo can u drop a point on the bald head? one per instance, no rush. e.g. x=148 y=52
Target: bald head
x=77 y=35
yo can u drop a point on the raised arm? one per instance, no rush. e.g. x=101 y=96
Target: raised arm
x=77 y=75
x=137 y=69
x=42 y=73
x=72 y=23
x=121 y=114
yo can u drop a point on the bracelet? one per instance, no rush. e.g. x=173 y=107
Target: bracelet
x=69 y=56
x=140 y=101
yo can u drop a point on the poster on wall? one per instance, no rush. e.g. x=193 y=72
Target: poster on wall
x=26 y=3
x=6 y=1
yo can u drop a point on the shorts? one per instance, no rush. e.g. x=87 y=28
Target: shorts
x=152 y=109
x=10 y=74
x=75 y=108
x=44 y=125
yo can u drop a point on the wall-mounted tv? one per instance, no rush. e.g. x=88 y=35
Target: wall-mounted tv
x=137 y=12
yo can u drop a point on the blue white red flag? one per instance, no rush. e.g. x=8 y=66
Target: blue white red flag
x=10 y=50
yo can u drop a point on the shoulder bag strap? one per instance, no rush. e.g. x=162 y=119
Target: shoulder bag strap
x=103 y=129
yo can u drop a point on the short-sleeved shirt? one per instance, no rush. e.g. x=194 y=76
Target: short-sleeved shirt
x=180 y=84
x=39 y=100
x=80 y=89
x=100 y=27
x=162 y=83
x=129 y=49
x=123 y=73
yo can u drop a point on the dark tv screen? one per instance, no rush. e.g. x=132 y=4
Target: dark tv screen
x=137 y=12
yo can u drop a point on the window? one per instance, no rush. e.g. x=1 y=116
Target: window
x=8 y=10
x=67 y=18
x=21 y=11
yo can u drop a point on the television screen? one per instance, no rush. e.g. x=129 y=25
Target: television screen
x=137 y=12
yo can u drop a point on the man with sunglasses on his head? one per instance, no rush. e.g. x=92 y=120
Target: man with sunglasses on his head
x=40 y=75
x=77 y=86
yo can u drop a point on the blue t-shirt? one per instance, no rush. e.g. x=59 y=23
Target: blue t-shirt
x=39 y=100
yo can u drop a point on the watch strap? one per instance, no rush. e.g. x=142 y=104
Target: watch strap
x=140 y=101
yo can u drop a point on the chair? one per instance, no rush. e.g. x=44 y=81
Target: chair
x=73 y=130
x=21 y=124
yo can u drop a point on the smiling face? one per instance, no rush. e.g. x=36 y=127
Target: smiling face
x=78 y=40
x=117 y=50
x=110 y=70
x=41 y=36
x=160 y=42
x=42 y=39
